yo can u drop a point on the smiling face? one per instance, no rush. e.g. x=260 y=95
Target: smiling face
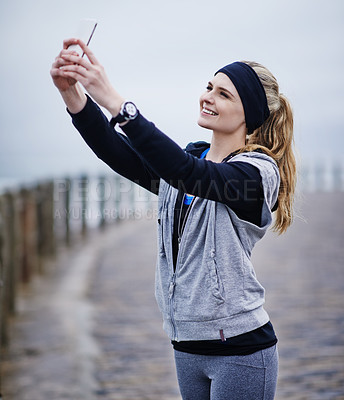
x=221 y=109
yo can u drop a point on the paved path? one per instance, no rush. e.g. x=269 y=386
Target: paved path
x=303 y=273
x=92 y=329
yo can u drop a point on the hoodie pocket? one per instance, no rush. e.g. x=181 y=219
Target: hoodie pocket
x=215 y=280
x=160 y=237
x=161 y=233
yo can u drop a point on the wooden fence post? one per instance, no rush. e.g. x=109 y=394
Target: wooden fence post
x=2 y=272
x=117 y=197
x=11 y=253
x=13 y=249
x=28 y=235
x=40 y=226
x=337 y=174
x=67 y=197
x=44 y=197
x=84 y=191
x=102 y=202
x=2 y=321
x=49 y=217
x=131 y=205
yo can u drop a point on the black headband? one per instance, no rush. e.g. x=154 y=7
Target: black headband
x=251 y=92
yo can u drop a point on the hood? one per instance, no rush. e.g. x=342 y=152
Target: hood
x=196 y=148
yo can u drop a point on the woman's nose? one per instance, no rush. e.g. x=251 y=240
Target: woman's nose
x=207 y=97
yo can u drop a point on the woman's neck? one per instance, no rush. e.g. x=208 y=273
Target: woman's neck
x=222 y=145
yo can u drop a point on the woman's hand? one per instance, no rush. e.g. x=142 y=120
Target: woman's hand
x=62 y=82
x=73 y=68
x=72 y=94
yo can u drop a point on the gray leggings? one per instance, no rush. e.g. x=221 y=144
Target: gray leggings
x=251 y=377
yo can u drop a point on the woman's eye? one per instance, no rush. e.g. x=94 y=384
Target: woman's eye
x=224 y=95
x=209 y=88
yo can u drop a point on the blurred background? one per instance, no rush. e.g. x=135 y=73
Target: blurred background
x=78 y=318
x=161 y=54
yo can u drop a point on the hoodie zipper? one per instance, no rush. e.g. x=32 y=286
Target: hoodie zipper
x=180 y=230
x=170 y=301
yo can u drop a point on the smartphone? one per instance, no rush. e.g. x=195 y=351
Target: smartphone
x=84 y=32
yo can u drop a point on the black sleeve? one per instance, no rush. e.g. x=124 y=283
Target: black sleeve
x=113 y=147
x=236 y=184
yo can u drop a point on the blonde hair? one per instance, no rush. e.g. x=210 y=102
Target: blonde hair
x=275 y=138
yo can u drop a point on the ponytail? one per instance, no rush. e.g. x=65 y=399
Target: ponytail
x=275 y=138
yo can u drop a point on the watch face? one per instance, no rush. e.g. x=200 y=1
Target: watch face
x=130 y=109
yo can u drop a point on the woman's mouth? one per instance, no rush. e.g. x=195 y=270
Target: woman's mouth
x=208 y=112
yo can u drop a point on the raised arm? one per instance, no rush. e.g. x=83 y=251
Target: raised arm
x=236 y=184
x=224 y=182
x=110 y=146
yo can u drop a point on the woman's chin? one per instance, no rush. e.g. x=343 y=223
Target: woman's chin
x=203 y=124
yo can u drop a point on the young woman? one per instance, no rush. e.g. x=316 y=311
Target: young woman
x=215 y=202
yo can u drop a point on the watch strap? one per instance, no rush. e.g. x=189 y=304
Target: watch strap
x=127 y=112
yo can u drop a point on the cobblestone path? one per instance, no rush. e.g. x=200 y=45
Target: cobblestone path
x=137 y=359
x=303 y=273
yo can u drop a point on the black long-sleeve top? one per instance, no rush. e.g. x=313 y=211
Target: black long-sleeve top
x=144 y=155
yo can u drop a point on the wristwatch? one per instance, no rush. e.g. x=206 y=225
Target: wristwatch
x=128 y=112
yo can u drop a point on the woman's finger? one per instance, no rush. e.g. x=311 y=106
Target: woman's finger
x=69 y=52
x=56 y=72
x=73 y=74
x=87 y=51
x=76 y=59
x=59 y=61
x=69 y=42
x=76 y=69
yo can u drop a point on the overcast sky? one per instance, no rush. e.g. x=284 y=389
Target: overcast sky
x=161 y=54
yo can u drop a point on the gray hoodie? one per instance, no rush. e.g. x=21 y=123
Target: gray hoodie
x=213 y=291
